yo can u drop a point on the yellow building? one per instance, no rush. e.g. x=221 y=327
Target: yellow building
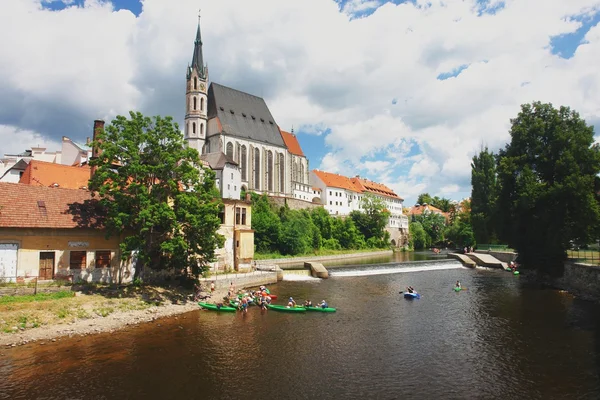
x=45 y=232
x=238 y=250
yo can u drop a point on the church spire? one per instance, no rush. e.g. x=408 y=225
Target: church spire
x=197 y=58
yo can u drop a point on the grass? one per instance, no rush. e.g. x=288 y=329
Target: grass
x=36 y=297
x=322 y=252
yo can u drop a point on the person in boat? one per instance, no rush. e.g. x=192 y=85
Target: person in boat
x=268 y=299
x=307 y=303
x=410 y=289
x=291 y=302
x=323 y=304
x=458 y=284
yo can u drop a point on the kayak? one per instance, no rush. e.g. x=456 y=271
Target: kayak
x=320 y=309
x=457 y=289
x=516 y=273
x=286 y=309
x=411 y=296
x=213 y=307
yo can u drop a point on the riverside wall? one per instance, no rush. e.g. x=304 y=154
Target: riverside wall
x=243 y=280
x=582 y=280
x=292 y=263
x=294 y=204
x=504 y=256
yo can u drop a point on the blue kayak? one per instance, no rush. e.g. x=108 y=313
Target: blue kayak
x=411 y=296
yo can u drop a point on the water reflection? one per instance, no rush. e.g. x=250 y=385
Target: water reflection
x=499 y=338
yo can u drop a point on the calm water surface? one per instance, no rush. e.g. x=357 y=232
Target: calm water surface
x=498 y=339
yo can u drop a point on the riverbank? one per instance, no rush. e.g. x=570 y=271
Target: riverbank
x=101 y=310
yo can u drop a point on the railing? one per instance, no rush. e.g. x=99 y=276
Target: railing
x=584 y=256
x=28 y=285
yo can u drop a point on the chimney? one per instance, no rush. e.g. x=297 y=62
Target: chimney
x=248 y=197
x=98 y=126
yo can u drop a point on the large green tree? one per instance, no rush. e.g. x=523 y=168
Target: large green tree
x=484 y=194
x=371 y=221
x=442 y=203
x=547 y=175
x=155 y=194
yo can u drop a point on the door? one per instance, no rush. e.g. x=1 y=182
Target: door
x=8 y=262
x=46 y=265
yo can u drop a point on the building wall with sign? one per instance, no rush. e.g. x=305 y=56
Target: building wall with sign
x=74 y=254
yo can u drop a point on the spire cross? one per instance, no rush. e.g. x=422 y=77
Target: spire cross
x=199 y=10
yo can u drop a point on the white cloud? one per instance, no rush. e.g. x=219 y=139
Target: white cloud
x=367 y=85
x=23 y=139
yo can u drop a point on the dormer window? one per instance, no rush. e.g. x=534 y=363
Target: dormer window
x=262 y=120
x=271 y=122
x=253 y=118
x=221 y=108
x=231 y=111
x=243 y=115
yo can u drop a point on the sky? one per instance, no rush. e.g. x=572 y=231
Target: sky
x=404 y=93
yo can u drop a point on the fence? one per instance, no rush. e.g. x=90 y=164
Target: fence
x=20 y=285
x=493 y=247
x=584 y=256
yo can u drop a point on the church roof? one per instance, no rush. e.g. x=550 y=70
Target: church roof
x=243 y=115
x=197 y=58
x=217 y=160
x=291 y=141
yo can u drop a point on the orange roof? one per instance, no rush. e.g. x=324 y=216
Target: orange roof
x=374 y=187
x=29 y=206
x=335 y=180
x=42 y=173
x=419 y=209
x=291 y=142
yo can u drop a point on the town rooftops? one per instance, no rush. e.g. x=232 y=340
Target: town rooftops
x=374 y=187
x=217 y=160
x=28 y=206
x=40 y=173
x=291 y=141
x=355 y=184
x=242 y=115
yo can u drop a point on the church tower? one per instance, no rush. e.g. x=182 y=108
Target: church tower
x=196 y=104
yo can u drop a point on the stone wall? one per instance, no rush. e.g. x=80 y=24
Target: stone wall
x=251 y=279
x=582 y=280
x=293 y=204
x=504 y=256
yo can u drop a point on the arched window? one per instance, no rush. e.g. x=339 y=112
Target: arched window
x=195 y=83
x=202 y=104
x=201 y=129
x=301 y=172
x=257 y=169
x=294 y=171
x=238 y=149
x=195 y=102
x=244 y=162
x=269 y=171
x=187 y=129
x=194 y=128
x=281 y=173
x=229 y=150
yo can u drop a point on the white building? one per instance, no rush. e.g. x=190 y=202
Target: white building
x=341 y=195
x=219 y=119
x=227 y=173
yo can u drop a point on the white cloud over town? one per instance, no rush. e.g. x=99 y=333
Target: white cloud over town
x=365 y=81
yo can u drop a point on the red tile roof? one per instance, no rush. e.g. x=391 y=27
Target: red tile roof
x=42 y=173
x=419 y=209
x=374 y=187
x=29 y=206
x=335 y=180
x=291 y=142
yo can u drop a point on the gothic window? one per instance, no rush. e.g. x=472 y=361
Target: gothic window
x=244 y=157
x=294 y=171
x=195 y=103
x=238 y=148
x=301 y=173
x=202 y=104
x=195 y=83
x=194 y=128
x=281 y=173
x=201 y=129
x=257 y=168
x=269 y=171
x=229 y=151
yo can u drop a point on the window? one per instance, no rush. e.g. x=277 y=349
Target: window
x=103 y=259
x=193 y=127
x=330 y=192
x=195 y=83
x=229 y=150
x=78 y=260
x=238 y=215
x=244 y=162
x=329 y=202
x=195 y=102
x=201 y=103
x=243 y=216
x=228 y=186
x=222 y=216
x=269 y=171
x=281 y=173
x=257 y=168
x=201 y=129
x=235 y=187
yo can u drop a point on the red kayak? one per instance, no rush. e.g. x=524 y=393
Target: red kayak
x=273 y=296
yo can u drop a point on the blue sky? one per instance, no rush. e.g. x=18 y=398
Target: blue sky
x=400 y=92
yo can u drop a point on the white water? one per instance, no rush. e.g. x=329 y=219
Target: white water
x=297 y=277
x=393 y=270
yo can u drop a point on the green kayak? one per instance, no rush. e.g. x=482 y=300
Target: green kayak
x=457 y=289
x=285 y=309
x=516 y=273
x=213 y=307
x=320 y=309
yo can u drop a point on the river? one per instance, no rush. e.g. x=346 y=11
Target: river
x=500 y=338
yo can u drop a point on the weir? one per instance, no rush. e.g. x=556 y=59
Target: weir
x=486 y=260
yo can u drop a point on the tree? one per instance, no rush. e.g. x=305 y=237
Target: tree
x=484 y=194
x=155 y=194
x=371 y=222
x=266 y=224
x=442 y=203
x=434 y=226
x=547 y=175
x=424 y=198
x=418 y=236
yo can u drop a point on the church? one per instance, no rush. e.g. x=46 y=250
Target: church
x=221 y=120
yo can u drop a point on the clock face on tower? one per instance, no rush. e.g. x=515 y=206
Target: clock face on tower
x=202 y=87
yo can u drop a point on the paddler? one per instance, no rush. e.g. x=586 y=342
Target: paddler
x=291 y=302
x=458 y=284
x=323 y=304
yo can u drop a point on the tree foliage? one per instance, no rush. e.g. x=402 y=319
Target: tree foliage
x=484 y=194
x=442 y=203
x=285 y=231
x=372 y=220
x=418 y=237
x=547 y=175
x=150 y=187
x=434 y=226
